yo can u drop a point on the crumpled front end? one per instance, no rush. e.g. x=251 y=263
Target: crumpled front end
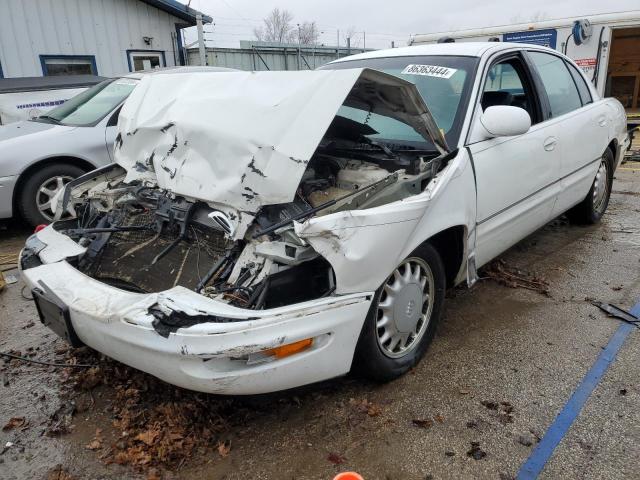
x=197 y=343
x=222 y=291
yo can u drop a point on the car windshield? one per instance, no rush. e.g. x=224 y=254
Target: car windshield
x=92 y=105
x=444 y=83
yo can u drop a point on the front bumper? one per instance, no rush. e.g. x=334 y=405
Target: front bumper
x=213 y=357
x=7 y=185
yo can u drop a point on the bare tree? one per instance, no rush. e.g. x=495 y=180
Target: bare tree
x=308 y=33
x=277 y=27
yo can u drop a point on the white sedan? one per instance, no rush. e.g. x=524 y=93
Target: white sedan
x=265 y=230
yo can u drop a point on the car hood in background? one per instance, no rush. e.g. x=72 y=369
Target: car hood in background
x=243 y=139
x=22 y=129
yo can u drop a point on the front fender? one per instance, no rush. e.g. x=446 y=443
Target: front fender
x=364 y=246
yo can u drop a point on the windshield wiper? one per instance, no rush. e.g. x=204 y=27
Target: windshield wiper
x=49 y=117
x=380 y=145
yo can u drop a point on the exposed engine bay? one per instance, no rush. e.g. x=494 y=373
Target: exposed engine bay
x=145 y=239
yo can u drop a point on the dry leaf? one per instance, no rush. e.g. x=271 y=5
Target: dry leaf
x=15 y=422
x=153 y=474
x=94 y=444
x=335 y=458
x=149 y=437
x=422 y=423
x=439 y=418
x=224 y=449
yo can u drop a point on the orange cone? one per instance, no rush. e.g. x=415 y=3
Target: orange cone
x=348 y=476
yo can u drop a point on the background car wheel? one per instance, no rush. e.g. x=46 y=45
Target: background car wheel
x=591 y=209
x=34 y=201
x=403 y=317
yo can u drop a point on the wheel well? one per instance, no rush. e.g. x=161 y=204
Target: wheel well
x=87 y=166
x=613 y=146
x=450 y=246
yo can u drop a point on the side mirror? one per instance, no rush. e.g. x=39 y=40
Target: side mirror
x=505 y=121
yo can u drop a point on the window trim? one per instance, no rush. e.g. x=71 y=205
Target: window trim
x=528 y=80
x=532 y=76
x=162 y=53
x=541 y=87
x=573 y=71
x=91 y=58
x=115 y=113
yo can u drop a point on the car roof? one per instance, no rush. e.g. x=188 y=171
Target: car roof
x=468 y=49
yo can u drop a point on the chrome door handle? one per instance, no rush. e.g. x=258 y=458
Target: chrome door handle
x=550 y=143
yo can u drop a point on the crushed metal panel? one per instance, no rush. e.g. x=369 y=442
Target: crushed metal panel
x=243 y=139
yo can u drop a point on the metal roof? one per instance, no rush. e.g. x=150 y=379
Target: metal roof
x=30 y=84
x=179 y=10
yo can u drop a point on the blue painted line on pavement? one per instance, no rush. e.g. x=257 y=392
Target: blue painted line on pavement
x=558 y=429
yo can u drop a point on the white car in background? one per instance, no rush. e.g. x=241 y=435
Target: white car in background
x=39 y=156
x=263 y=230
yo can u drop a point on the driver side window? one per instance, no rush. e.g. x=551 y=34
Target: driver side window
x=506 y=84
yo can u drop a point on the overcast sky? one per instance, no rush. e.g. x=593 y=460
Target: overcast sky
x=384 y=21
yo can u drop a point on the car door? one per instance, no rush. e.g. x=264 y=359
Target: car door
x=581 y=124
x=111 y=131
x=516 y=177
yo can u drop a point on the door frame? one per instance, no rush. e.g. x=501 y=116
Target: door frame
x=542 y=102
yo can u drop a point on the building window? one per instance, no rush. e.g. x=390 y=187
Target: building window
x=145 y=59
x=68 y=65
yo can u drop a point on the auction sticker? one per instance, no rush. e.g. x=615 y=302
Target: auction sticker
x=429 y=71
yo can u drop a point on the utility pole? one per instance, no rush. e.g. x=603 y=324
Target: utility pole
x=299 y=46
x=364 y=40
x=201 y=49
x=338 y=45
x=348 y=45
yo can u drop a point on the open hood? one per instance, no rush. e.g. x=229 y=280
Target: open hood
x=243 y=139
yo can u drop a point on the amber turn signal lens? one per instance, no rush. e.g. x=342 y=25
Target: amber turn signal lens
x=290 y=348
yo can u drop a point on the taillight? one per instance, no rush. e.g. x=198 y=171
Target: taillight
x=39 y=227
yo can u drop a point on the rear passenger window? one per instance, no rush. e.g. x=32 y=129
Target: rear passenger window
x=583 y=88
x=558 y=82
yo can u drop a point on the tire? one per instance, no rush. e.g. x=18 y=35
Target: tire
x=42 y=184
x=375 y=358
x=591 y=209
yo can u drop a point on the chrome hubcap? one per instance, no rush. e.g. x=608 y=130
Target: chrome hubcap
x=601 y=186
x=404 y=307
x=47 y=191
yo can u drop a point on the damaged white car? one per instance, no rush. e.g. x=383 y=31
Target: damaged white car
x=265 y=230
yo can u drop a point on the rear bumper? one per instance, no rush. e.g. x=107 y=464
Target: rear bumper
x=214 y=357
x=7 y=185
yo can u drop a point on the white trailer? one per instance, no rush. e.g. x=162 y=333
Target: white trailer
x=605 y=46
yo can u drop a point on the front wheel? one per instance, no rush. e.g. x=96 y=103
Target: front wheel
x=403 y=317
x=591 y=209
x=38 y=191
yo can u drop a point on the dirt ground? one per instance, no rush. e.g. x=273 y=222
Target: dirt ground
x=503 y=363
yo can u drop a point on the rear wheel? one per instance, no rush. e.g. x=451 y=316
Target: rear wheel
x=403 y=317
x=591 y=209
x=37 y=192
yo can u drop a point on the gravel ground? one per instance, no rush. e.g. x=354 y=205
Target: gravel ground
x=503 y=363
